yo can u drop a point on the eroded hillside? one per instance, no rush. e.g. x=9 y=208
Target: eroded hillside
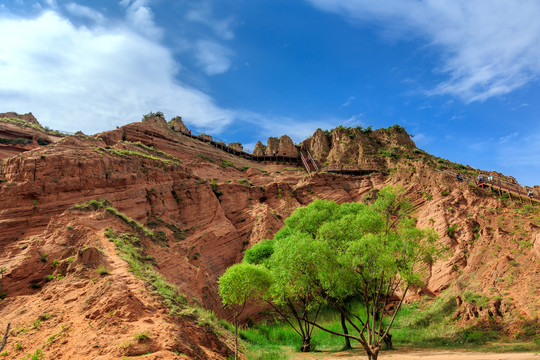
x=199 y=208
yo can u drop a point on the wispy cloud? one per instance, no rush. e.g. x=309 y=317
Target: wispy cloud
x=507 y=138
x=488 y=48
x=521 y=157
x=348 y=102
x=85 y=12
x=141 y=18
x=212 y=57
x=202 y=13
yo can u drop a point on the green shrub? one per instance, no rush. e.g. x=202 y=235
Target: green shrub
x=92 y=205
x=152 y=114
x=37 y=355
x=245 y=182
x=42 y=256
x=141 y=337
x=451 y=231
x=16 y=141
x=102 y=270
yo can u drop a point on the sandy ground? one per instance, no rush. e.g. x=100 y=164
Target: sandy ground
x=418 y=354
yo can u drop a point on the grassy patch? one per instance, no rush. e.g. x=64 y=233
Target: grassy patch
x=418 y=325
x=163 y=157
x=245 y=182
x=16 y=141
x=24 y=123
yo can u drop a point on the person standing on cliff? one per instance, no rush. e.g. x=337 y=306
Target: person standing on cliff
x=459 y=177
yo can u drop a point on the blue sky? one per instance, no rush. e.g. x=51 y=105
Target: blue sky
x=462 y=76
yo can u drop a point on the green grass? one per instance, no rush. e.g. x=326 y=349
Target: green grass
x=163 y=157
x=102 y=270
x=24 y=123
x=37 y=355
x=418 y=325
x=130 y=250
x=15 y=141
x=245 y=182
x=97 y=204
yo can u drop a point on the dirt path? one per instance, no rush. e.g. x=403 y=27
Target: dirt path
x=416 y=354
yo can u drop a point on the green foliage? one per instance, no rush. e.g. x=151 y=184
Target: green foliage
x=153 y=114
x=130 y=250
x=387 y=153
x=37 y=355
x=42 y=256
x=16 y=141
x=214 y=186
x=102 y=270
x=3 y=293
x=242 y=282
x=92 y=205
x=328 y=254
x=397 y=128
x=451 y=231
x=478 y=299
x=24 y=123
x=159 y=156
x=245 y=182
x=259 y=253
x=142 y=337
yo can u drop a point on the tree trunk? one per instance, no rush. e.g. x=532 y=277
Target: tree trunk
x=345 y=331
x=235 y=337
x=388 y=341
x=5 y=337
x=306 y=344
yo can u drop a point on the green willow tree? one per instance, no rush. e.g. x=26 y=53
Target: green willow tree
x=242 y=283
x=329 y=254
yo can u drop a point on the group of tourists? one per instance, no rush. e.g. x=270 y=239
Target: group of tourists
x=481 y=180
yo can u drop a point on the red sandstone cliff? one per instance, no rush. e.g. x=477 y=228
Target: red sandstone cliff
x=211 y=205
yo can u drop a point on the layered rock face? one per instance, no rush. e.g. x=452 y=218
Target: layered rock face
x=177 y=124
x=236 y=146
x=210 y=206
x=272 y=146
x=259 y=149
x=26 y=117
x=20 y=133
x=283 y=146
x=318 y=145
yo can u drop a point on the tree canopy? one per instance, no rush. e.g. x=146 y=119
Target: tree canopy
x=327 y=254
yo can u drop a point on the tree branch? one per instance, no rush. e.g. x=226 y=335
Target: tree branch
x=5 y=337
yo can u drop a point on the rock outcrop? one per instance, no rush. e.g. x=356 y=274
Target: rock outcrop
x=319 y=145
x=236 y=146
x=259 y=149
x=286 y=147
x=156 y=120
x=177 y=124
x=26 y=117
x=272 y=146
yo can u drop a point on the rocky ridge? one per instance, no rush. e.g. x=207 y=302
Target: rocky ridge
x=207 y=206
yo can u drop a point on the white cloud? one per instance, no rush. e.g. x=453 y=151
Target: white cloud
x=94 y=78
x=51 y=3
x=348 y=102
x=521 y=157
x=489 y=47
x=86 y=12
x=141 y=18
x=212 y=57
x=203 y=15
x=507 y=138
